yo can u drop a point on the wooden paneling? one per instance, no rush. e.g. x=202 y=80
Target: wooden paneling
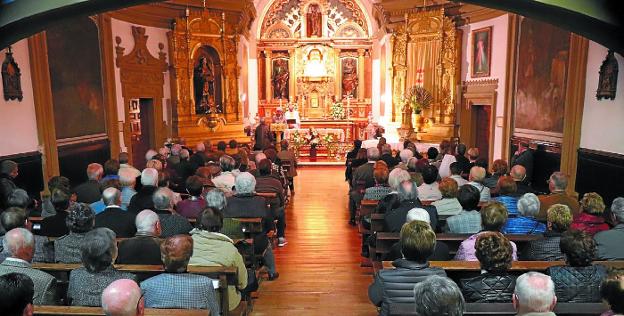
x=546 y=160
x=30 y=176
x=600 y=172
x=74 y=158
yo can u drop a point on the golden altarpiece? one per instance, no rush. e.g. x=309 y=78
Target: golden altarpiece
x=205 y=72
x=313 y=54
x=425 y=52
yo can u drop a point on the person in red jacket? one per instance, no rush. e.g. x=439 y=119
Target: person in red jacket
x=590 y=220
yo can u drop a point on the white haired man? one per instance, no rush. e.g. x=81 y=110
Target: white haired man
x=609 y=242
x=171 y=222
x=143 y=199
x=557 y=184
x=144 y=247
x=123 y=298
x=113 y=217
x=127 y=180
x=21 y=245
x=89 y=192
x=405 y=155
x=475 y=178
x=534 y=295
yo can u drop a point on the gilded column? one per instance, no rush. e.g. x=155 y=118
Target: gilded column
x=338 y=83
x=361 y=84
x=267 y=75
x=292 y=92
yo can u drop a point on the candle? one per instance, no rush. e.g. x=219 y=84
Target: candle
x=280 y=103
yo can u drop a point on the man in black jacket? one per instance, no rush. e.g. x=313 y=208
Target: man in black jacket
x=408 y=195
x=144 y=247
x=55 y=225
x=113 y=217
x=143 y=199
x=89 y=192
x=8 y=172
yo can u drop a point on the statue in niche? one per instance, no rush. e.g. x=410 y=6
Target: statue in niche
x=204 y=85
x=11 y=74
x=607 y=82
x=313 y=21
x=280 y=79
x=349 y=77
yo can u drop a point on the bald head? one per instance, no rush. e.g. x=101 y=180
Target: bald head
x=122 y=298
x=175 y=252
x=260 y=157
x=111 y=196
x=518 y=173
x=20 y=243
x=147 y=222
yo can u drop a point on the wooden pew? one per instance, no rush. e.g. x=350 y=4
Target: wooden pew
x=225 y=275
x=569 y=309
x=366 y=208
x=44 y=310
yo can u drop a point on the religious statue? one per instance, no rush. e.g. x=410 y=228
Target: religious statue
x=203 y=79
x=607 y=82
x=280 y=79
x=313 y=21
x=314 y=66
x=349 y=77
x=11 y=74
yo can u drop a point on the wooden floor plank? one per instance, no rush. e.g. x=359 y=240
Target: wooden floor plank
x=320 y=271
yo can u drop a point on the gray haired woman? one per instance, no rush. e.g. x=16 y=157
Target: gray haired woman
x=80 y=220
x=525 y=222
x=98 y=252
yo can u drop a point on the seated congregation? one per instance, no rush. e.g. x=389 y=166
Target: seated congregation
x=444 y=210
x=127 y=240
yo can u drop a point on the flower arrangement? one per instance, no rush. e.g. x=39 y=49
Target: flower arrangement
x=313 y=138
x=327 y=139
x=337 y=111
x=298 y=140
x=418 y=98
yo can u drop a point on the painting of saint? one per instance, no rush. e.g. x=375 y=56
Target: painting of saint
x=541 y=76
x=481 y=52
x=313 y=21
x=280 y=78
x=349 y=77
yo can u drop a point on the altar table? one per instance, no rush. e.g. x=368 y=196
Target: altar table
x=322 y=131
x=421 y=147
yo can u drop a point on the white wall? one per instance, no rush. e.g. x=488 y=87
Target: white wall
x=498 y=66
x=155 y=36
x=18 y=120
x=603 y=121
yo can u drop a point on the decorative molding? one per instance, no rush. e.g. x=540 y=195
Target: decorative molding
x=42 y=94
x=478 y=92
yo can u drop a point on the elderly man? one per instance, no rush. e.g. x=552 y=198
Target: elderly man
x=176 y=288
x=124 y=158
x=524 y=222
x=170 y=222
x=362 y=179
x=15 y=217
x=113 y=217
x=21 y=244
x=265 y=183
x=524 y=157
x=408 y=197
x=534 y=295
x=8 y=171
x=438 y=295
x=89 y=192
x=143 y=199
x=609 y=242
x=462 y=160
x=87 y=283
x=475 y=178
x=225 y=181
x=80 y=220
x=441 y=250
x=127 y=180
x=518 y=173
x=123 y=298
x=557 y=184
x=405 y=156
x=54 y=226
x=17 y=291
x=263 y=136
x=245 y=204
x=144 y=247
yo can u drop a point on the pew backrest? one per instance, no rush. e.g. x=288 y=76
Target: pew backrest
x=569 y=309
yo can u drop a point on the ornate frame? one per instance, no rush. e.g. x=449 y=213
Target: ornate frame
x=473 y=37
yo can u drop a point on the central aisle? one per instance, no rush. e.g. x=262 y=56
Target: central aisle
x=319 y=268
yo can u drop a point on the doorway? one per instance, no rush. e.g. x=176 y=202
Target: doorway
x=141 y=129
x=481 y=128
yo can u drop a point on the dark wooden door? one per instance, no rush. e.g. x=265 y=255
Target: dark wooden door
x=142 y=129
x=481 y=126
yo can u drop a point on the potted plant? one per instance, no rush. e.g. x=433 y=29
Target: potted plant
x=415 y=100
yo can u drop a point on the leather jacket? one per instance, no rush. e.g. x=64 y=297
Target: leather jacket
x=489 y=287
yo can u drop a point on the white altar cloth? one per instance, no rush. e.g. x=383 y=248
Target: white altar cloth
x=322 y=131
x=421 y=147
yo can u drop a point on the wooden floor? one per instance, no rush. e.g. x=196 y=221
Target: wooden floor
x=320 y=271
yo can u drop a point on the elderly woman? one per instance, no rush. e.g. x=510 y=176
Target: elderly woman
x=495 y=284
x=80 y=220
x=98 y=252
x=429 y=190
x=506 y=189
x=590 y=219
x=547 y=248
x=396 y=285
x=448 y=205
x=381 y=188
x=525 y=222
x=213 y=248
x=578 y=281
x=225 y=181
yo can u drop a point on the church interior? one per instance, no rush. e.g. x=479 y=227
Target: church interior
x=91 y=81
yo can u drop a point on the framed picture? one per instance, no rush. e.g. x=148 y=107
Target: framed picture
x=481 y=52
x=134 y=105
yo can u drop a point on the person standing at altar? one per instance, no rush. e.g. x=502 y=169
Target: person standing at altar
x=263 y=136
x=292 y=114
x=278 y=117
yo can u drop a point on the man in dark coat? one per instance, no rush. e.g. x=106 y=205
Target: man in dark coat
x=113 y=217
x=8 y=172
x=262 y=136
x=143 y=199
x=524 y=157
x=89 y=192
x=408 y=195
x=144 y=247
x=361 y=180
